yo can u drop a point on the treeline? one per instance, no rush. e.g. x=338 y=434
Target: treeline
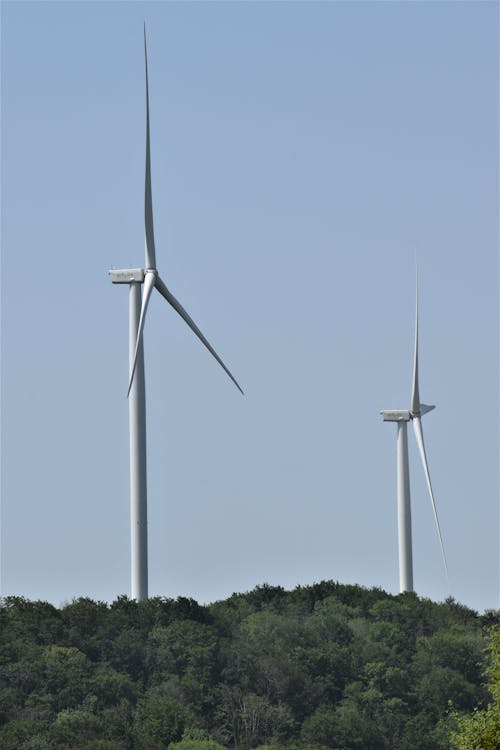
x=324 y=666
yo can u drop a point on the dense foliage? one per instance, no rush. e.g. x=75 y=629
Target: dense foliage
x=324 y=666
x=481 y=729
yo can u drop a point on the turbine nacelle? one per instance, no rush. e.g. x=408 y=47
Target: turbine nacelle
x=127 y=275
x=393 y=415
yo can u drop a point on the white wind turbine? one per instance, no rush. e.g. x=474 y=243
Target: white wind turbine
x=414 y=414
x=138 y=303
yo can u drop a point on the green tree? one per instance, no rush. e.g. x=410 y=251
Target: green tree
x=322 y=666
x=481 y=729
x=66 y=676
x=158 y=721
x=195 y=739
x=17 y=734
x=247 y=719
x=267 y=657
x=72 y=728
x=319 y=728
x=85 y=620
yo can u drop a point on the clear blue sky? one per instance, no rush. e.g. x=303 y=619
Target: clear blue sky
x=301 y=154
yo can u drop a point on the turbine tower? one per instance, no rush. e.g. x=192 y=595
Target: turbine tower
x=148 y=278
x=414 y=414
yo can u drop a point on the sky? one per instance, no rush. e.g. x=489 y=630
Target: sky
x=302 y=155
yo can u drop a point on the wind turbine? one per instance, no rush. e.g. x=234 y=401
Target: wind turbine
x=414 y=414
x=136 y=278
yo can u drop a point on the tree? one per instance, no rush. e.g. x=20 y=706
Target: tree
x=195 y=739
x=16 y=734
x=158 y=721
x=72 y=728
x=246 y=719
x=481 y=729
x=323 y=666
x=319 y=728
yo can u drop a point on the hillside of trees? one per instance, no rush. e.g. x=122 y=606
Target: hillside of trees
x=324 y=666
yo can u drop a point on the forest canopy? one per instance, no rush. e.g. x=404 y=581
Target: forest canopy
x=323 y=666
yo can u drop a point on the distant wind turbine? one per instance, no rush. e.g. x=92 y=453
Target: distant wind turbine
x=138 y=303
x=414 y=414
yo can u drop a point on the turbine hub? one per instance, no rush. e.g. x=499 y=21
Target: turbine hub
x=424 y=409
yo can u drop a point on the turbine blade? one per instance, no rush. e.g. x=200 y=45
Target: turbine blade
x=415 y=395
x=417 y=427
x=149 y=283
x=148 y=202
x=184 y=315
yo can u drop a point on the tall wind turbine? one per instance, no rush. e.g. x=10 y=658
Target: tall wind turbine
x=136 y=278
x=414 y=414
